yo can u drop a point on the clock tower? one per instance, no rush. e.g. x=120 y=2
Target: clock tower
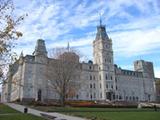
x=103 y=57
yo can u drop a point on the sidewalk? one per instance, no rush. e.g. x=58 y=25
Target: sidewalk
x=37 y=112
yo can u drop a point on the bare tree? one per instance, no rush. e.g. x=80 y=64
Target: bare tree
x=63 y=73
x=8 y=32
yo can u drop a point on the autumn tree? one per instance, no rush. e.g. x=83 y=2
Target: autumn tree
x=8 y=32
x=63 y=73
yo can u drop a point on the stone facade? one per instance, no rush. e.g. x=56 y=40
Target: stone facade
x=158 y=90
x=99 y=80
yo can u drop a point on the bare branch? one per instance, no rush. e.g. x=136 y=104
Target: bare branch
x=62 y=71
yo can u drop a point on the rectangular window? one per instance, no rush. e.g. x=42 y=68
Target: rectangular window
x=90 y=67
x=90 y=77
x=106 y=76
x=112 y=86
x=91 y=96
x=94 y=85
x=106 y=85
x=100 y=95
x=90 y=85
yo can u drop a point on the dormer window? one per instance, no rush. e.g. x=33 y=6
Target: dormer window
x=90 y=67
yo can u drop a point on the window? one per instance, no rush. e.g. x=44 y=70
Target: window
x=90 y=67
x=99 y=77
x=91 y=96
x=90 y=77
x=113 y=96
x=120 y=97
x=106 y=85
x=112 y=86
x=126 y=97
x=106 y=76
x=94 y=77
x=136 y=98
x=133 y=98
x=116 y=87
x=100 y=95
x=111 y=77
x=94 y=85
x=100 y=85
x=77 y=96
x=130 y=98
x=90 y=85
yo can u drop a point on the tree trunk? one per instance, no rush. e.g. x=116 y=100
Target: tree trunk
x=62 y=100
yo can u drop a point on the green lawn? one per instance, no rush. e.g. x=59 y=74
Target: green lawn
x=106 y=113
x=5 y=109
x=7 y=113
x=119 y=115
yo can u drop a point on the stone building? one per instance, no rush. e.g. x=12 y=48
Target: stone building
x=158 y=90
x=101 y=79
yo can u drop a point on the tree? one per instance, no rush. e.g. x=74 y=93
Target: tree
x=8 y=32
x=63 y=73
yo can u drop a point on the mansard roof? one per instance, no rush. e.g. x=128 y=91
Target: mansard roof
x=101 y=33
x=40 y=48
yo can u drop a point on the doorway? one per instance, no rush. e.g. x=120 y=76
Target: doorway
x=39 y=95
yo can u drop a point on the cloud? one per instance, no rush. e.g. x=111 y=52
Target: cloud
x=157 y=72
x=133 y=25
x=138 y=42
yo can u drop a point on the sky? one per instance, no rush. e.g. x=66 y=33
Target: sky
x=133 y=26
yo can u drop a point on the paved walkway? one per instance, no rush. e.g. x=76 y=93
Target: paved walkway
x=38 y=113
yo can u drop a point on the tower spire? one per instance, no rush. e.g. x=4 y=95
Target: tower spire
x=100 y=19
x=101 y=30
x=68 y=47
x=21 y=55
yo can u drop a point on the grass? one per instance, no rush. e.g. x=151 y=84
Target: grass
x=85 y=109
x=20 y=116
x=7 y=113
x=5 y=109
x=119 y=115
x=106 y=113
